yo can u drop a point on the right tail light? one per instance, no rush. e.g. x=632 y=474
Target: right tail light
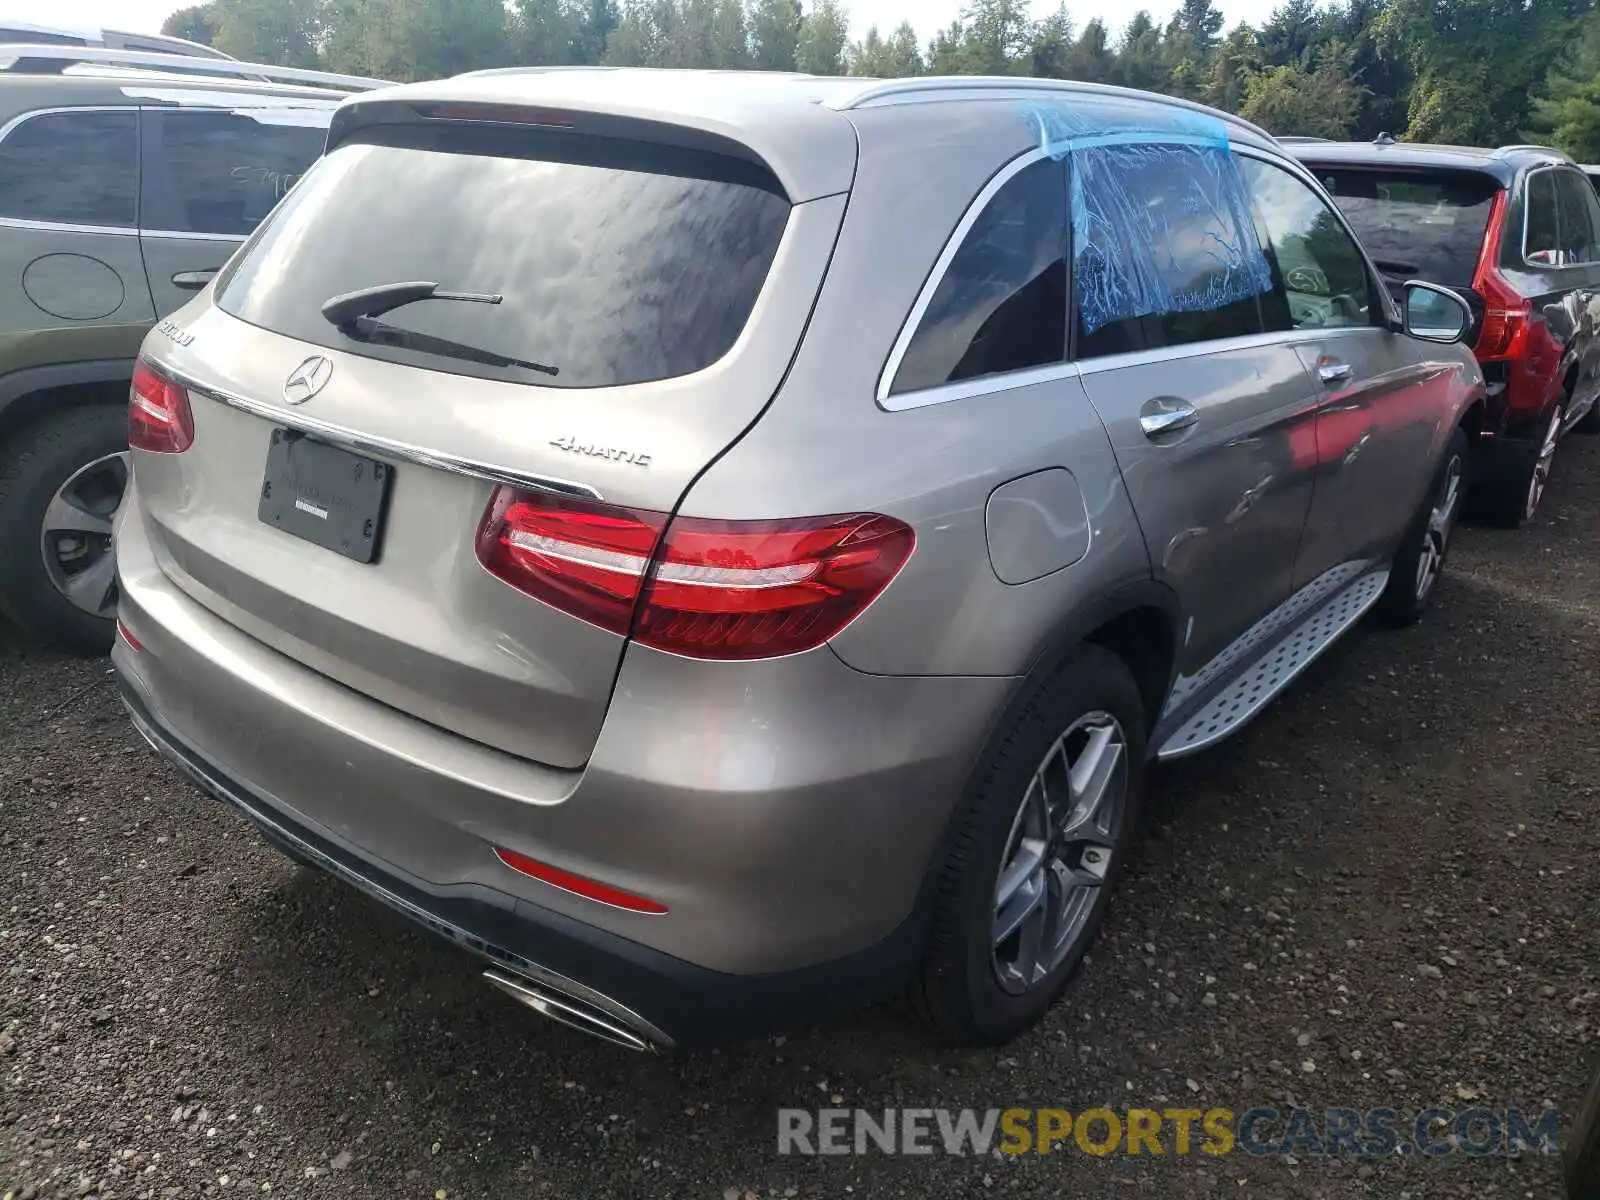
x=700 y=588
x=159 y=418
x=1506 y=314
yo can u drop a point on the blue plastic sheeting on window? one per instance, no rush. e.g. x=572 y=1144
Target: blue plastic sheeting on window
x=1161 y=221
x=1065 y=126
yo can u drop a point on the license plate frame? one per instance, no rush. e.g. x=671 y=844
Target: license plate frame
x=325 y=495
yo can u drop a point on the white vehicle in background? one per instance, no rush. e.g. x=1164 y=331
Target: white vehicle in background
x=110 y=39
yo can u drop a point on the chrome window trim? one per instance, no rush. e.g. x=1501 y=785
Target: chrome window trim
x=1247 y=341
x=966 y=389
x=380 y=447
x=913 y=321
x=63 y=227
x=17 y=122
x=983 y=385
x=179 y=235
x=22 y=119
x=1006 y=381
x=1527 y=211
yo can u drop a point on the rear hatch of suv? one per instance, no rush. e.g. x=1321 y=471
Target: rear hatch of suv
x=617 y=301
x=1416 y=224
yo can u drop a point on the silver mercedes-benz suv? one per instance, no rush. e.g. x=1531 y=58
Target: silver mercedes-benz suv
x=724 y=545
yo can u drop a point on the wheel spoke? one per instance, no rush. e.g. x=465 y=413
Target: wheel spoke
x=94 y=588
x=65 y=518
x=1023 y=867
x=1059 y=852
x=1091 y=779
x=1030 y=943
x=1026 y=901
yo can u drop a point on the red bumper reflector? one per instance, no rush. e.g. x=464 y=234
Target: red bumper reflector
x=589 y=889
x=133 y=642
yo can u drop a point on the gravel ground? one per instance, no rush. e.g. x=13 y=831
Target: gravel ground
x=1383 y=894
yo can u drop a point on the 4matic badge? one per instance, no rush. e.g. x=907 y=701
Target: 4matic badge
x=573 y=446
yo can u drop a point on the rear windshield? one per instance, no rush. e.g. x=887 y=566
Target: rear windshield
x=616 y=262
x=1416 y=225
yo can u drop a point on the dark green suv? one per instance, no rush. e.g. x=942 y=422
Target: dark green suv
x=127 y=179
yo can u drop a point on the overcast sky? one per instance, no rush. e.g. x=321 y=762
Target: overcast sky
x=145 y=16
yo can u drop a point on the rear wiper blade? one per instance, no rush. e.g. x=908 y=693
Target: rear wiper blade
x=356 y=315
x=386 y=297
x=1395 y=268
x=370 y=329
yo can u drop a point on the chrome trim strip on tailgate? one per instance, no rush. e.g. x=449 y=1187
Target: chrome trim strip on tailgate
x=384 y=447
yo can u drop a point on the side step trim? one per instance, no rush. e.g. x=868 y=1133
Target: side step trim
x=1240 y=701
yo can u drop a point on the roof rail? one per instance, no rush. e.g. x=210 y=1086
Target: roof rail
x=1531 y=146
x=890 y=89
x=23 y=59
x=535 y=70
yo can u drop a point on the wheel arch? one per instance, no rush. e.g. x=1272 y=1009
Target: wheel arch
x=28 y=394
x=1138 y=622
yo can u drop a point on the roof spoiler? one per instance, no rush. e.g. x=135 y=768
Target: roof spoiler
x=25 y=59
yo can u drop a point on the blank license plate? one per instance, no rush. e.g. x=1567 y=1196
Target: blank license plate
x=325 y=495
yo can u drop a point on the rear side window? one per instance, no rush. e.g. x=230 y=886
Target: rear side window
x=1541 y=240
x=1166 y=251
x=1580 y=219
x=1002 y=302
x=1416 y=224
x=218 y=172
x=72 y=168
x=1324 y=279
x=616 y=262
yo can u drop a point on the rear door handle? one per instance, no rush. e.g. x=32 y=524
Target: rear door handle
x=1334 y=372
x=1166 y=416
x=193 y=281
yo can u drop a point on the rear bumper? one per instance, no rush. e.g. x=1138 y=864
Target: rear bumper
x=662 y=1000
x=785 y=815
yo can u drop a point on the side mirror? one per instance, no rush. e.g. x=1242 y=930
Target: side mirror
x=1436 y=314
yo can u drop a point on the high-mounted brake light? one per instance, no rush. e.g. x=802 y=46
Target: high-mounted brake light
x=498 y=114
x=699 y=588
x=578 y=885
x=159 y=418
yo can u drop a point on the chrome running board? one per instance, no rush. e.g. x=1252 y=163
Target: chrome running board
x=1239 y=702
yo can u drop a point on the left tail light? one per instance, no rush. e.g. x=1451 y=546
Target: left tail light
x=159 y=418
x=700 y=588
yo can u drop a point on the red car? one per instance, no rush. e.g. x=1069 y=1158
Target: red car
x=1517 y=232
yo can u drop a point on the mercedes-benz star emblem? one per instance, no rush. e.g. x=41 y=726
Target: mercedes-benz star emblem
x=306 y=380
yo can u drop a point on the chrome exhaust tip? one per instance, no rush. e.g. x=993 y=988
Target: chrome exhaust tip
x=569 y=1011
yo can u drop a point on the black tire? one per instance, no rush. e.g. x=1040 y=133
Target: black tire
x=1504 y=499
x=1583 y=1147
x=35 y=463
x=1405 y=599
x=956 y=991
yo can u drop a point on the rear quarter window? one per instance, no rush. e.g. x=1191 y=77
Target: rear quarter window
x=1001 y=304
x=72 y=168
x=616 y=262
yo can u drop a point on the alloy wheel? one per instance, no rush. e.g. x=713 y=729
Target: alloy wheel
x=1441 y=523
x=75 y=536
x=1059 y=852
x=1542 y=464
